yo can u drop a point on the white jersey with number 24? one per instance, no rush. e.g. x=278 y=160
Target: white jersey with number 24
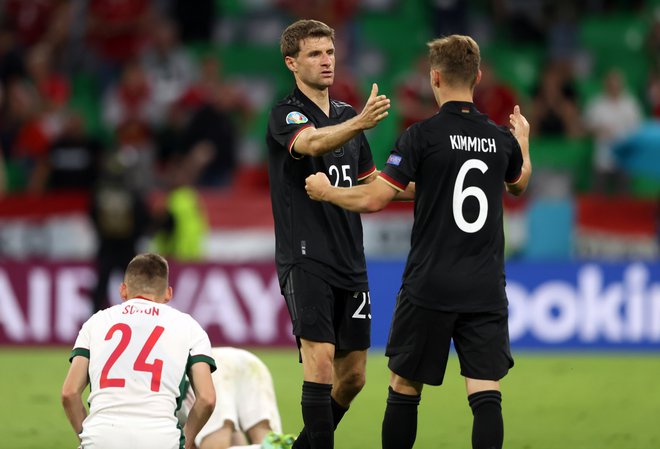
x=138 y=355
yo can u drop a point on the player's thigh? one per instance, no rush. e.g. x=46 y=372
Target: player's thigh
x=257 y=397
x=419 y=341
x=310 y=301
x=352 y=320
x=482 y=344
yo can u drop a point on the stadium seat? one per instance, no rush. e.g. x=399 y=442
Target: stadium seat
x=617 y=41
x=517 y=65
x=571 y=156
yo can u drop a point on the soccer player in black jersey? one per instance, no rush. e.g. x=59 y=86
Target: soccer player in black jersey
x=453 y=284
x=319 y=252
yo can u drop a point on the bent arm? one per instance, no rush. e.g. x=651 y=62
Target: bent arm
x=74 y=384
x=318 y=141
x=202 y=384
x=406 y=195
x=520 y=131
x=368 y=198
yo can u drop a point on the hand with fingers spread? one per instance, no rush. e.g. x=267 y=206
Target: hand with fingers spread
x=374 y=110
x=316 y=184
x=519 y=124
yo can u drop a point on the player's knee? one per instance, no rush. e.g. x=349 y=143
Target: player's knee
x=353 y=381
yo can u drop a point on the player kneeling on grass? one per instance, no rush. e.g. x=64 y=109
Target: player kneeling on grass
x=246 y=413
x=134 y=356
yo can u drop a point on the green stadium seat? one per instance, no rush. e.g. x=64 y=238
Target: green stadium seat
x=617 y=41
x=573 y=156
x=517 y=65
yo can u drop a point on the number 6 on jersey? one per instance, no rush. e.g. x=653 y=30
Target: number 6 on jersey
x=460 y=195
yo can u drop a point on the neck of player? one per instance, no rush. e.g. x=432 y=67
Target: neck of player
x=444 y=95
x=320 y=96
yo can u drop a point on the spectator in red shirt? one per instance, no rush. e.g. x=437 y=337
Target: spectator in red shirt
x=494 y=98
x=116 y=32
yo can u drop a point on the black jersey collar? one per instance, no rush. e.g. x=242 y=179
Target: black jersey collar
x=460 y=107
x=310 y=104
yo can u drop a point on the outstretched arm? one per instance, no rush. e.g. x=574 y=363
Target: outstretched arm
x=370 y=197
x=74 y=384
x=520 y=130
x=318 y=141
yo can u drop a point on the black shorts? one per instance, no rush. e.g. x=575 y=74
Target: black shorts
x=323 y=313
x=419 y=341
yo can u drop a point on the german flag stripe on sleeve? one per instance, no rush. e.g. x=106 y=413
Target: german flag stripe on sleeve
x=367 y=173
x=294 y=138
x=392 y=182
x=515 y=180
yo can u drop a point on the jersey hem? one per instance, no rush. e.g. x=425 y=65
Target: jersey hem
x=201 y=358
x=293 y=141
x=84 y=352
x=392 y=182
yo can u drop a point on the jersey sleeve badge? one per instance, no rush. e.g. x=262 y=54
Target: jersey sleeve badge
x=394 y=159
x=295 y=118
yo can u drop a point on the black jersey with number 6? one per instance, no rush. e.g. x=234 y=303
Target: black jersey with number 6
x=316 y=236
x=459 y=161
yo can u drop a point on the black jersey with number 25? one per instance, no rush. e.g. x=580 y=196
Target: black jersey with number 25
x=317 y=236
x=459 y=161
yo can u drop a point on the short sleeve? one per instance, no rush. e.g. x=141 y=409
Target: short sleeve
x=285 y=124
x=366 y=164
x=401 y=164
x=81 y=346
x=200 y=348
x=514 y=169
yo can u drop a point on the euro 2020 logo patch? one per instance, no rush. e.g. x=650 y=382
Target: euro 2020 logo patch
x=295 y=118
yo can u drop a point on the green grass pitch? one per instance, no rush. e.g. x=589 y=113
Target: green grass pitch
x=550 y=401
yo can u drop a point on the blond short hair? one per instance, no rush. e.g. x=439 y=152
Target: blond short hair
x=147 y=273
x=302 y=29
x=457 y=57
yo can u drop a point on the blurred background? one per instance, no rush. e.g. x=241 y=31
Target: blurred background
x=133 y=125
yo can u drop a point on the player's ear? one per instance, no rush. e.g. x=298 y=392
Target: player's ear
x=168 y=294
x=123 y=291
x=478 y=79
x=435 y=78
x=290 y=62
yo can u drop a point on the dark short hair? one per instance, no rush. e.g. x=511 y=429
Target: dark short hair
x=302 y=29
x=457 y=57
x=147 y=273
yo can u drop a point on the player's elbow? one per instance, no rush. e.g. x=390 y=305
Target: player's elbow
x=373 y=204
x=516 y=189
x=520 y=186
x=206 y=402
x=69 y=396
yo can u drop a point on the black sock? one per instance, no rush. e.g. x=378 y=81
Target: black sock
x=400 y=421
x=488 y=427
x=318 y=432
x=338 y=412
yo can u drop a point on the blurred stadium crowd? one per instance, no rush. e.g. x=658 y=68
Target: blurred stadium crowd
x=160 y=106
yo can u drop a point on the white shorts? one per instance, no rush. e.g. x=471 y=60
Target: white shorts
x=244 y=393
